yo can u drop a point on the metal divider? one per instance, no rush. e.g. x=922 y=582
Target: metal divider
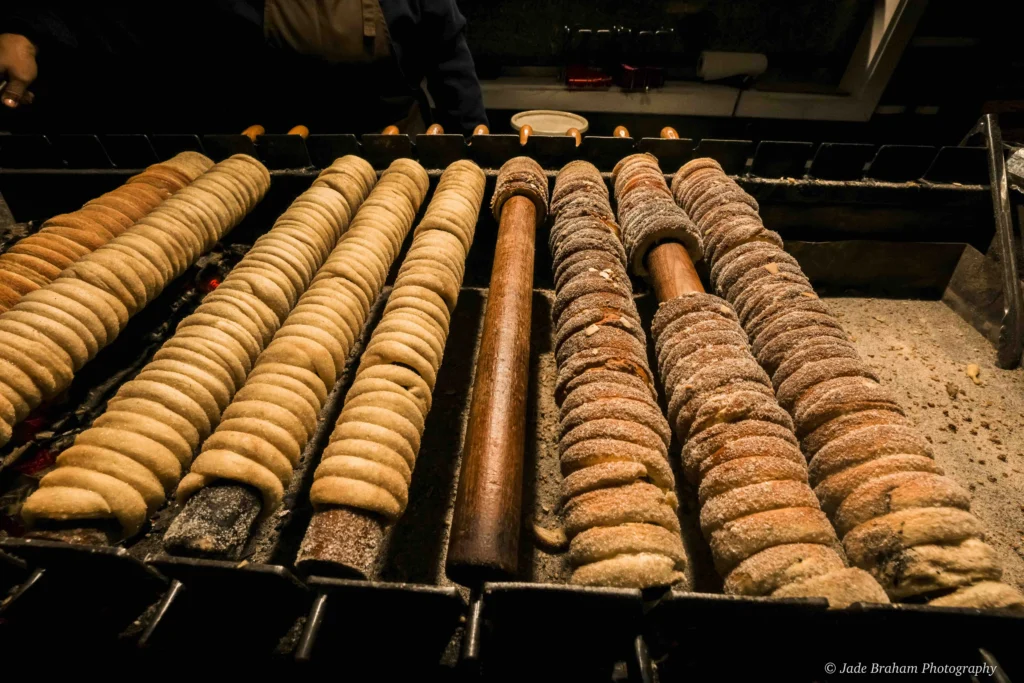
x=731 y=154
x=128 y=150
x=221 y=146
x=75 y=593
x=169 y=144
x=28 y=151
x=671 y=153
x=381 y=150
x=325 y=148
x=901 y=163
x=781 y=159
x=966 y=165
x=841 y=160
x=438 y=151
x=604 y=151
x=348 y=618
x=82 y=151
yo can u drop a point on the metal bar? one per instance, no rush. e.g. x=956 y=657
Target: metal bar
x=998 y=675
x=165 y=604
x=22 y=589
x=1010 y=346
x=304 y=651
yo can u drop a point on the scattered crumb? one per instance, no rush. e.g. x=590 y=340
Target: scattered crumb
x=972 y=371
x=551 y=540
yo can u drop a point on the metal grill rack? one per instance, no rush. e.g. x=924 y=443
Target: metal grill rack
x=839 y=206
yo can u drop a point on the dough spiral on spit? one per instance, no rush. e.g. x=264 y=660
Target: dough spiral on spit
x=618 y=489
x=524 y=177
x=48 y=335
x=874 y=474
x=135 y=452
x=766 y=530
x=647 y=212
x=38 y=259
x=372 y=452
x=266 y=428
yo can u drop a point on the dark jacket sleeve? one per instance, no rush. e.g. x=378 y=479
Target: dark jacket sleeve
x=429 y=38
x=451 y=74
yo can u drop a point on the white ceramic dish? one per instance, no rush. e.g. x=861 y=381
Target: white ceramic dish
x=549 y=121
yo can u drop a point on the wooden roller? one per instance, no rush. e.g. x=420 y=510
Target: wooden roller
x=620 y=132
x=576 y=135
x=672 y=272
x=301 y=131
x=484 y=538
x=481 y=130
x=671 y=269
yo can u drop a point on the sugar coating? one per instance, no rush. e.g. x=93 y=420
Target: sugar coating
x=619 y=490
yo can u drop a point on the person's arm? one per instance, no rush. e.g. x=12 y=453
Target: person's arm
x=28 y=28
x=450 y=72
x=69 y=33
x=18 y=69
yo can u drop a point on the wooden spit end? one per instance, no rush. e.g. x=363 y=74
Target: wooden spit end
x=254 y=131
x=343 y=542
x=524 y=134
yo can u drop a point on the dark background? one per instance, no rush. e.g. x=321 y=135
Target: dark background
x=964 y=59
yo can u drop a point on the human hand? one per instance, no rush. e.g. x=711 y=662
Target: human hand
x=18 y=69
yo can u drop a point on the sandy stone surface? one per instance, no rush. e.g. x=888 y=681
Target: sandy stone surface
x=921 y=349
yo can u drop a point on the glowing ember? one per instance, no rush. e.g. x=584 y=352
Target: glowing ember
x=43 y=459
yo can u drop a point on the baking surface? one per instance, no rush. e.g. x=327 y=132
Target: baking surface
x=921 y=350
